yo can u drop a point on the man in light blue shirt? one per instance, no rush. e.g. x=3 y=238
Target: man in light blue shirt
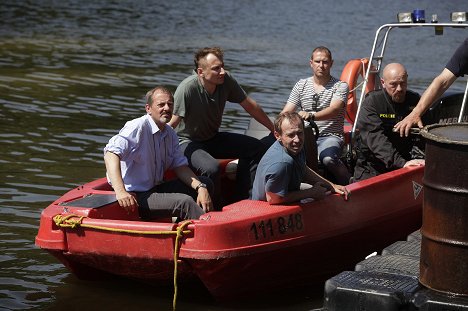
x=138 y=157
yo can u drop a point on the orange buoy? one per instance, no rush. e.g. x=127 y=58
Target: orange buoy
x=351 y=72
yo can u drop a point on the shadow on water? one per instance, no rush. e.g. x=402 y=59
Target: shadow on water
x=122 y=294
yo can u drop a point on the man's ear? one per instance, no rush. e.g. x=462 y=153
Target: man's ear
x=277 y=135
x=199 y=71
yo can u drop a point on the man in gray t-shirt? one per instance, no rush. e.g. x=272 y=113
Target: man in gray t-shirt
x=199 y=103
x=283 y=167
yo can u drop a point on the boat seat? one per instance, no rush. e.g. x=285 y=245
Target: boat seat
x=100 y=206
x=92 y=201
x=257 y=130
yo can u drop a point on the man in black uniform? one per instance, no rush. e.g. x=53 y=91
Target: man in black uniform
x=379 y=148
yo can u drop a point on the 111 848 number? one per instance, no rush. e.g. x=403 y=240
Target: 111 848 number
x=280 y=225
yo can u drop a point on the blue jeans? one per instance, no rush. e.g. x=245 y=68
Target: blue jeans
x=203 y=155
x=329 y=150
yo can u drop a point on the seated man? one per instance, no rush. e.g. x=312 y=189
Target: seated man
x=283 y=167
x=137 y=158
x=379 y=148
x=322 y=98
x=198 y=110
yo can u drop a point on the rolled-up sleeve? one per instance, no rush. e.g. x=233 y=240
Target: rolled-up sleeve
x=123 y=143
x=342 y=91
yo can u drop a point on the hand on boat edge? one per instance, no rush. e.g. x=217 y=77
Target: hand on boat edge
x=404 y=126
x=127 y=201
x=415 y=162
x=341 y=190
x=204 y=200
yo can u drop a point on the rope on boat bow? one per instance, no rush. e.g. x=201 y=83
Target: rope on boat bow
x=74 y=221
x=359 y=85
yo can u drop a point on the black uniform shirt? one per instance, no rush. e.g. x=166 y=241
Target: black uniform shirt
x=380 y=149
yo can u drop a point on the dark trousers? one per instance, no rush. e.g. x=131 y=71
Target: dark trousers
x=310 y=145
x=202 y=157
x=171 y=199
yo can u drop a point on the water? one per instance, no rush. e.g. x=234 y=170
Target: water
x=72 y=72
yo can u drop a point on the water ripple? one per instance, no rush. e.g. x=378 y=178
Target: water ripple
x=74 y=71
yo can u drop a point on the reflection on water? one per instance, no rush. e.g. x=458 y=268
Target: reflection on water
x=72 y=72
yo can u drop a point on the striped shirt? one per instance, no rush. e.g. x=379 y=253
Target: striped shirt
x=304 y=97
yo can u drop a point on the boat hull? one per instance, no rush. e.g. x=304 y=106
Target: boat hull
x=248 y=248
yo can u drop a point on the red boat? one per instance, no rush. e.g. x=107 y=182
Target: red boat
x=248 y=247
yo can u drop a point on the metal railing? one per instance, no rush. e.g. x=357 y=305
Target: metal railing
x=375 y=62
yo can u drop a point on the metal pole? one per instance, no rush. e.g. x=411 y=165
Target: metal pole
x=462 y=110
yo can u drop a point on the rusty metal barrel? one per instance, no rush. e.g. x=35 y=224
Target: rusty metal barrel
x=444 y=245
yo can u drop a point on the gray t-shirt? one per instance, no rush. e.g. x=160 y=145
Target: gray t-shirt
x=278 y=172
x=202 y=112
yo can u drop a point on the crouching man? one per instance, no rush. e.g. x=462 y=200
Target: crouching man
x=283 y=167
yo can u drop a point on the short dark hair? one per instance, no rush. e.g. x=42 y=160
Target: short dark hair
x=291 y=116
x=321 y=49
x=202 y=53
x=150 y=93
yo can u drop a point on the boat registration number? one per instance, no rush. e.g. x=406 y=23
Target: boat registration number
x=277 y=226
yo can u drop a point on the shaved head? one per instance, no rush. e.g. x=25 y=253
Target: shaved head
x=395 y=81
x=394 y=70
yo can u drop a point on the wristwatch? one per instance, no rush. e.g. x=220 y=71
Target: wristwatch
x=200 y=185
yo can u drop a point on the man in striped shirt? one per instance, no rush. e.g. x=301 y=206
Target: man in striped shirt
x=321 y=98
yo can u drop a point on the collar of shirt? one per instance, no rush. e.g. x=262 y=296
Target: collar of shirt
x=154 y=127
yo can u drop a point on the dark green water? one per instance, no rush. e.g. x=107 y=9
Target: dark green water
x=72 y=73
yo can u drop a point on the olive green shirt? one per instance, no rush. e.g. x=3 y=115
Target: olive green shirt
x=202 y=113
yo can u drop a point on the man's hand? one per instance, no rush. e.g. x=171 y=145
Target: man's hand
x=204 y=199
x=415 y=162
x=304 y=114
x=341 y=190
x=405 y=125
x=318 y=191
x=334 y=188
x=126 y=200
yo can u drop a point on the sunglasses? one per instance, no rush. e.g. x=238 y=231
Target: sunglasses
x=315 y=98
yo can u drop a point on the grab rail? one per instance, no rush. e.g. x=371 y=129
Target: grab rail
x=378 y=59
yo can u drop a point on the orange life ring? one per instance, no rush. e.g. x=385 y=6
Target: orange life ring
x=351 y=72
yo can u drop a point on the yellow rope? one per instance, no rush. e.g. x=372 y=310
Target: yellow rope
x=71 y=221
x=180 y=233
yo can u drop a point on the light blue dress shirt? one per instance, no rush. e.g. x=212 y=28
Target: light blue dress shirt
x=145 y=152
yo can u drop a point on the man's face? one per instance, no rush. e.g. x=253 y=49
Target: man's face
x=396 y=85
x=292 y=136
x=161 y=109
x=211 y=70
x=321 y=64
